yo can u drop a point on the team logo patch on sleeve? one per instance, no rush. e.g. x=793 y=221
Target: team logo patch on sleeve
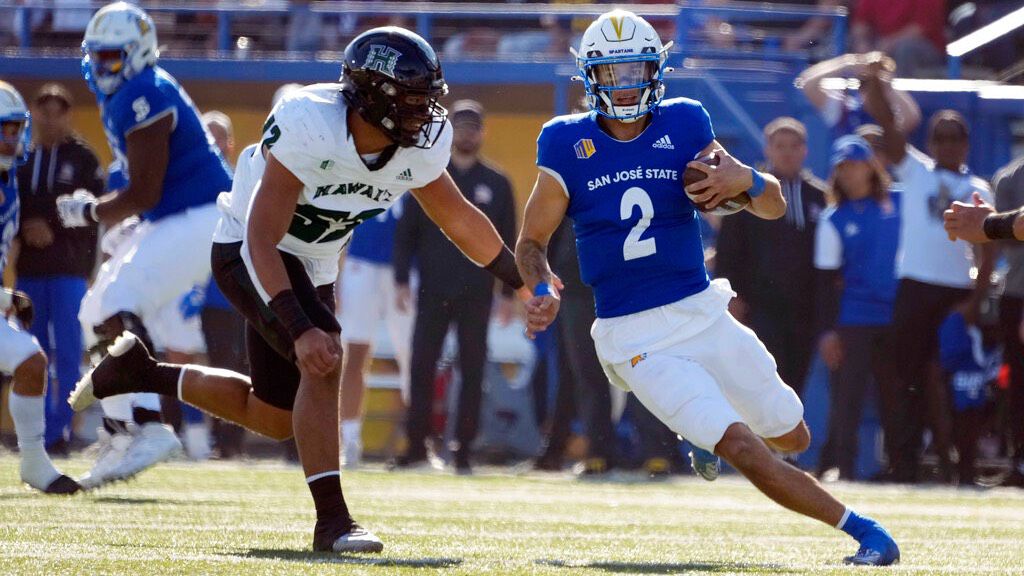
x=584 y=148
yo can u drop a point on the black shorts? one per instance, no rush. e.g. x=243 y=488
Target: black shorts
x=271 y=352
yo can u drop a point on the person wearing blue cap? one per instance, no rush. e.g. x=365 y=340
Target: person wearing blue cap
x=857 y=239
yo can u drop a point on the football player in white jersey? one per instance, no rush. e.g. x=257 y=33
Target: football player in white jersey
x=332 y=156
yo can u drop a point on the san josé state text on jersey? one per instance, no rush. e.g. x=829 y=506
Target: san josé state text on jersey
x=637 y=233
x=196 y=172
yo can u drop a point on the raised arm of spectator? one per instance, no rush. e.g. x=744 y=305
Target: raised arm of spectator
x=905 y=108
x=878 y=106
x=810 y=80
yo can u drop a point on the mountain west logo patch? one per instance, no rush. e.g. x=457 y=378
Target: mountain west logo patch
x=406 y=175
x=584 y=148
x=664 y=143
x=383 y=59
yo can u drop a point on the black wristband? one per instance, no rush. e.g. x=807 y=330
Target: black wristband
x=289 y=311
x=504 y=268
x=1000 y=226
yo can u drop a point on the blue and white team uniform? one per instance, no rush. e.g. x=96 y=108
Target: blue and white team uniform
x=662 y=328
x=170 y=248
x=16 y=343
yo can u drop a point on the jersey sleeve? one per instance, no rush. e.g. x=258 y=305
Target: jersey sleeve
x=703 y=131
x=140 y=104
x=292 y=132
x=549 y=155
x=828 y=246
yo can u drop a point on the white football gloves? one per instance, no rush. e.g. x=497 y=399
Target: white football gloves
x=77 y=209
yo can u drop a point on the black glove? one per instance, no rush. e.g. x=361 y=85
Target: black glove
x=22 y=306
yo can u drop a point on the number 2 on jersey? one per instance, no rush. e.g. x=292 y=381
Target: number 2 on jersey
x=634 y=247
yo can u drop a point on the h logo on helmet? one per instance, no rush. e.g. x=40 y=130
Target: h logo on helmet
x=382 y=59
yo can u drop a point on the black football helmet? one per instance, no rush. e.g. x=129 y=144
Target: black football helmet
x=393 y=78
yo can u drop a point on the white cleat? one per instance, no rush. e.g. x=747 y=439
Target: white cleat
x=152 y=443
x=358 y=539
x=111 y=449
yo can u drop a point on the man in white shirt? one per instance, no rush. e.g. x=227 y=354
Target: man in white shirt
x=935 y=276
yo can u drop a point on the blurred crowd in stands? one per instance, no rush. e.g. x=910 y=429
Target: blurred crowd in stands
x=913 y=32
x=860 y=271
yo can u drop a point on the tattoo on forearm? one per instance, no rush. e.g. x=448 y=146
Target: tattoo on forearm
x=531 y=256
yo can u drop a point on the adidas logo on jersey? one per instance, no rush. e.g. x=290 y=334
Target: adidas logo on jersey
x=406 y=175
x=663 y=142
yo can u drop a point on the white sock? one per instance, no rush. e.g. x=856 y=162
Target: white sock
x=352 y=430
x=30 y=425
x=842 y=521
x=118 y=407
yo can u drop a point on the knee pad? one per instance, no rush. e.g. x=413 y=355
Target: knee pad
x=112 y=327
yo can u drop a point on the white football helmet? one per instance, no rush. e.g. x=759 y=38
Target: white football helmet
x=13 y=112
x=622 y=51
x=120 y=42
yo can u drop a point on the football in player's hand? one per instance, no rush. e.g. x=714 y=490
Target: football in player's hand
x=730 y=206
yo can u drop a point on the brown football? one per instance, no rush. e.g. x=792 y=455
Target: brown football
x=730 y=206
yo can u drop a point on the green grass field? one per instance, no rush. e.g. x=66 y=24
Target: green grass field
x=226 y=518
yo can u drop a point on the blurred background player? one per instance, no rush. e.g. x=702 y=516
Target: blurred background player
x=54 y=263
x=366 y=297
x=452 y=290
x=662 y=328
x=174 y=174
x=386 y=134
x=20 y=354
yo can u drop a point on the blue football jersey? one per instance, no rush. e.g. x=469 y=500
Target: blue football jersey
x=374 y=239
x=637 y=233
x=196 y=172
x=10 y=208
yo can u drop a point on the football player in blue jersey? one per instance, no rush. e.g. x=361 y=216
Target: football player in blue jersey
x=663 y=330
x=20 y=353
x=174 y=174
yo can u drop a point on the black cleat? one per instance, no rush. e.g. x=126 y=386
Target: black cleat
x=344 y=536
x=62 y=485
x=120 y=372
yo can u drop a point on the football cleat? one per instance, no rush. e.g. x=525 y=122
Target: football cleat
x=657 y=468
x=111 y=449
x=705 y=464
x=152 y=443
x=63 y=485
x=126 y=361
x=353 y=538
x=877 y=548
x=591 y=468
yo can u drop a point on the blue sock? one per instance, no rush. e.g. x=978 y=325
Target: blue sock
x=856 y=525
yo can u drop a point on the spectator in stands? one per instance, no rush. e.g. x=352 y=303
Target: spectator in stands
x=911 y=31
x=305 y=28
x=581 y=381
x=55 y=262
x=452 y=289
x=980 y=224
x=814 y=29
x=856 y=240
x=223 y=327
x=935 y=276
x=842 y=109
x=770 y=263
